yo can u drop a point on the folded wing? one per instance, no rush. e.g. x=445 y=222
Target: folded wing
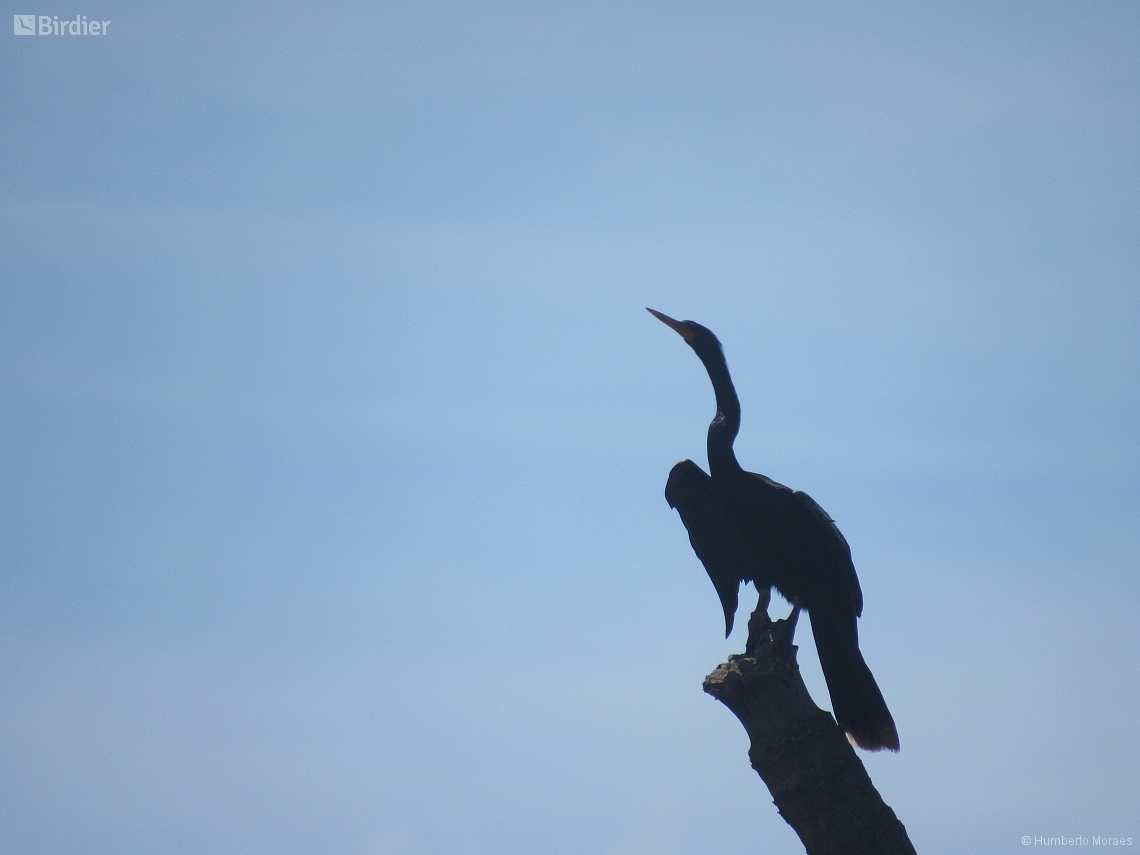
x=690 y=491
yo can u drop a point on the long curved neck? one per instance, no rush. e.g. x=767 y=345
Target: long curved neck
x=726 y=422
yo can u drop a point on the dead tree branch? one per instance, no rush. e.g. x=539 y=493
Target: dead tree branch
x=817 y=782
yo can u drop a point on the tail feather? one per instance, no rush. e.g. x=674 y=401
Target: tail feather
x=856 y=701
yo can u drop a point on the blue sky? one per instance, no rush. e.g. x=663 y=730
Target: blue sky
x=335 y=431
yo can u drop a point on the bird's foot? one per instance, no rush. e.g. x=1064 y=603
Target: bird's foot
x=786 y=628
x=759 y=624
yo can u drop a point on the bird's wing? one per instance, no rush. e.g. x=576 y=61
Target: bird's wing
x=690 y=491
x=837 y=552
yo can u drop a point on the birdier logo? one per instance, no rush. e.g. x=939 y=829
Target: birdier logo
x=51 y=25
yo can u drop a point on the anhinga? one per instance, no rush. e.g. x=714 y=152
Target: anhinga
x=747 y=528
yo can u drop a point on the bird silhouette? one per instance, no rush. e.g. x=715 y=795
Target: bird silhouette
x=746 y=527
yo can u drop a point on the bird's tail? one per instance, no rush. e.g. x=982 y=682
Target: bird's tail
x=855 y=697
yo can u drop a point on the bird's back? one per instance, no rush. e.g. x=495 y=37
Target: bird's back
x=792 y=542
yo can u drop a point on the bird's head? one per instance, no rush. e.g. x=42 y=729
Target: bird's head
x=700 y=339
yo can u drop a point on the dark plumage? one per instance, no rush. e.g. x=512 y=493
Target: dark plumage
x=747 y=528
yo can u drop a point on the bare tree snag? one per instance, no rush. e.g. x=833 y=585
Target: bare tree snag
x=817 y=782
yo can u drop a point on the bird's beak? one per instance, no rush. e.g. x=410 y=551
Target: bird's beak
x=676 y=326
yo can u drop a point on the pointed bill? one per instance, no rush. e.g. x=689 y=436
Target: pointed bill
x=677 y=326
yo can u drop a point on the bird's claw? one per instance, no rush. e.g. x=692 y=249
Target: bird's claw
x=759 y=624
x=787 y=626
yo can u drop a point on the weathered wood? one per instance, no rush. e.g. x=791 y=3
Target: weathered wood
x=816 y=780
